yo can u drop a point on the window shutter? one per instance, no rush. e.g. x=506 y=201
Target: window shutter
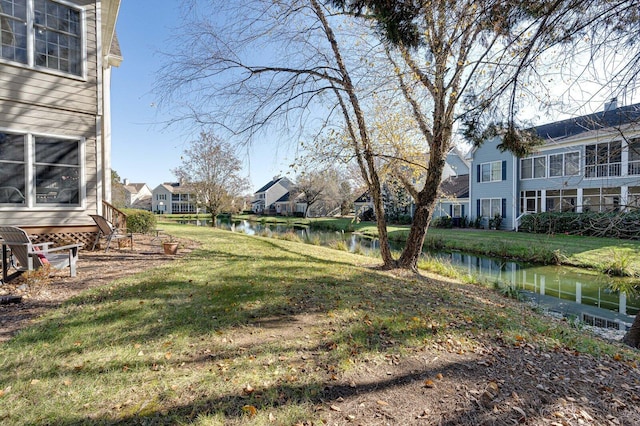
x=504 y=170
x=451 y=210
x=478 y=173
x=462 y=211
x=504 y=208
x=478 y=207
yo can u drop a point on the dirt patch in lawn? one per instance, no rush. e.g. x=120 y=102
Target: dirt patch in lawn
x=95 y=268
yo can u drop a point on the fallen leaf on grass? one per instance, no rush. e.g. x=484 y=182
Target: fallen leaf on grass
x=335 y=408
x=248 y=389
x=250 y=410
x=429 y=383
x=381 y=402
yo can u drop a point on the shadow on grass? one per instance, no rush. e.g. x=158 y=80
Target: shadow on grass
x=218 y=292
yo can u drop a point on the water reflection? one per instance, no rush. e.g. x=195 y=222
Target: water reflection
x=569 y=291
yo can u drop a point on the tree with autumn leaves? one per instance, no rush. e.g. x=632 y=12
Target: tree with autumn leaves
x=309 y=69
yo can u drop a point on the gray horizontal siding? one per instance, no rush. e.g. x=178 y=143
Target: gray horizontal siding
x=39 y=87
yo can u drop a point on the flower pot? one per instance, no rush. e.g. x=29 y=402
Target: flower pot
x=170 y=248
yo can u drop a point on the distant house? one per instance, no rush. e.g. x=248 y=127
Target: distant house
x=453 y=200
x=454 y=191
x=172 y=198
x=56 y=58
x=265 y=198
x=286 y=206
x=137 y=195
x=587 y=163
x=362 y=204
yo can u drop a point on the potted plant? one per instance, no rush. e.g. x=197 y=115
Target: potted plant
x=170 y=247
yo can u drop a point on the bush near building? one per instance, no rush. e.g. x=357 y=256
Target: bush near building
x=613 y=224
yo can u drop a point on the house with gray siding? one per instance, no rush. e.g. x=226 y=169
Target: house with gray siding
x=587 y=163
x=55 y=127
x=453 y=198
x=264 y=199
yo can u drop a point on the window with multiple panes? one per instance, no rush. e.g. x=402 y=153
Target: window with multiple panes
x=42 y=33
x=490 y=207
x=634 y=157
x=603 y=159
x=491 y=172
x=533 y=167
x=564 y=164
x=54 y=166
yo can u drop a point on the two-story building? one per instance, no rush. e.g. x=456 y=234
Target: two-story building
x=264 y=199
x=55 y=122
x=137 y=195
x=173 y=198
x=587 y=163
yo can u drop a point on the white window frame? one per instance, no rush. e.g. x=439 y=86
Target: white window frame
x=565 y=164
x=600 y=169
x=495 y=168
x=30 y=166
x=31 y=42
x=633 y=166
x=491 y=202
x=534 y=167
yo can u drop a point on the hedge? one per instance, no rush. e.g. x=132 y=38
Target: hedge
x=140 y=221
x=613 y=225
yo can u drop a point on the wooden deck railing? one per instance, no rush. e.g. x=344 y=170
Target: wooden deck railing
x=117 y=217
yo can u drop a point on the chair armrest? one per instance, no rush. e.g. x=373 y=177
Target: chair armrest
x=67 y=247
x=43 y=245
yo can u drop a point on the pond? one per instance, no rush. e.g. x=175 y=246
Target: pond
x=569 y=291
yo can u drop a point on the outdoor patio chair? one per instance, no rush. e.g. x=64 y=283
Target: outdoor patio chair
x=28 y=256
x=11 y=194
x=108 y=232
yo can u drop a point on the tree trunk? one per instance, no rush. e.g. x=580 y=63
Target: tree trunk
x=632 y=338
x=424 y=208
x=415 y=239
x=214 y=214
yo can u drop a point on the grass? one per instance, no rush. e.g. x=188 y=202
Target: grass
x=244 y=330
x=611 y=255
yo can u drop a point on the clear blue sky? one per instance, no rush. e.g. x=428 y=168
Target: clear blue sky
x=143 y=151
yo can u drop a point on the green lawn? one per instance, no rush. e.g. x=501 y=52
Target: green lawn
x=245 y=329
x=573 y=250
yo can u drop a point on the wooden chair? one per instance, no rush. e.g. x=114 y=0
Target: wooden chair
x=27 y=256
x=109 y=232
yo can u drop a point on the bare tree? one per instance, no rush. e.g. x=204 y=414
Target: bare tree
x=461 y=61
x=323 y=191
x=212 y=171
x=297 y=70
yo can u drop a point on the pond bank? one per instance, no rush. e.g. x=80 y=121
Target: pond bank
x=617 y=257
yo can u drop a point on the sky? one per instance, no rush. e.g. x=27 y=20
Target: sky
x=143 y=149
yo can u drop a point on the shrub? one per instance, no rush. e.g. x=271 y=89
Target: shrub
x=442 y=222
x=612 y=224
x=140 y=221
